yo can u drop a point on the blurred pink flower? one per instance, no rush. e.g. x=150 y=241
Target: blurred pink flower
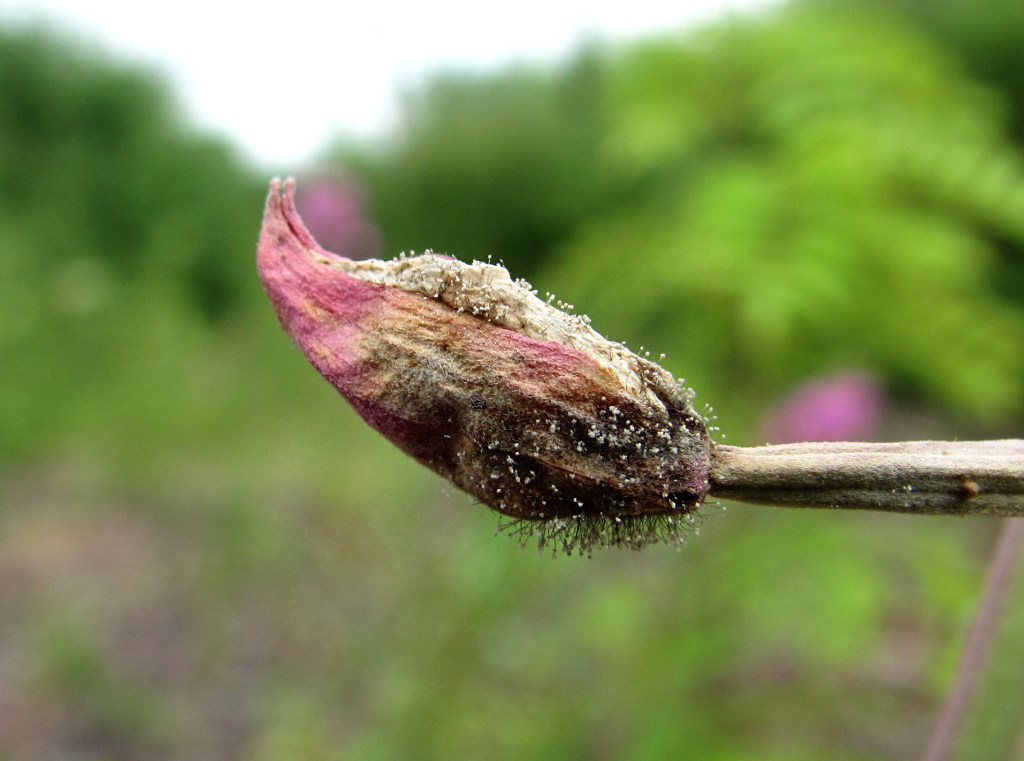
x=333 y=211
x=847 y=406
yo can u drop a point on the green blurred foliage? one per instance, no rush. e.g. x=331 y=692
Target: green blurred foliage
x=121 y=239
x=985 y=36
x=205 y=554
x=816 y=189
x=498 y=165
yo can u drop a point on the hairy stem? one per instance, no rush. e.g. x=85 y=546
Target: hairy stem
x=921 y=477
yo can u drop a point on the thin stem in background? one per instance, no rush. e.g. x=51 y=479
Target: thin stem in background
x=916 y=477
x=979 y=640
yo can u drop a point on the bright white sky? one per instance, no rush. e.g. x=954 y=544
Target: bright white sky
x=282 y=79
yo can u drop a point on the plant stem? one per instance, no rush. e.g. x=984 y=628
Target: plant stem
x=921 y=477
x=979 y=641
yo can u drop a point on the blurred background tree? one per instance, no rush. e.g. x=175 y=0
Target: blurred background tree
x=205 y=554
x=786 y=192
x=121 y=232
x=985 y=37
x=498 y=164
x=806 y=186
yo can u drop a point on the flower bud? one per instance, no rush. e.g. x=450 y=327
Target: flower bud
x=523 y=406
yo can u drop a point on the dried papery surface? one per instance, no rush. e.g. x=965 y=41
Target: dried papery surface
x=919 y=477
x=575 y=438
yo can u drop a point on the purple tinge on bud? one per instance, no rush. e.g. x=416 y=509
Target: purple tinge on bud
x=516 y=402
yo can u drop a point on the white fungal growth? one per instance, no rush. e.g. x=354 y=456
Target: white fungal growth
x=489 y=292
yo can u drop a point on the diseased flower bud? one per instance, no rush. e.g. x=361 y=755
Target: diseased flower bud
x=521 y=405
